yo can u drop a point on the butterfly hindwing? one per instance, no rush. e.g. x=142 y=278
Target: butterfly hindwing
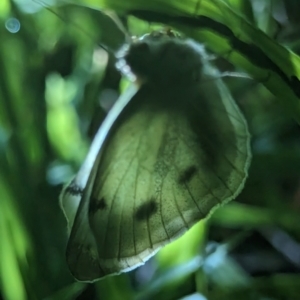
x=168 y=160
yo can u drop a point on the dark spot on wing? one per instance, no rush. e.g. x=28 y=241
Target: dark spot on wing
x=146 y=210
x=73 y=189
x=187 y=175
x=96 y=204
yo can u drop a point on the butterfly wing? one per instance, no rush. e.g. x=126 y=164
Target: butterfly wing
x=170 y=158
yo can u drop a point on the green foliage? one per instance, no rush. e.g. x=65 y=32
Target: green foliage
x=52 y=78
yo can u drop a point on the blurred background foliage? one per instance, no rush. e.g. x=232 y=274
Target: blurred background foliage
x=55 y=86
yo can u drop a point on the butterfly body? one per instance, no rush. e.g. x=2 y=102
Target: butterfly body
x=165 y=60
x=174 y=153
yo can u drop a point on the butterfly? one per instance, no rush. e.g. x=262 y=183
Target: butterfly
x=172 y=148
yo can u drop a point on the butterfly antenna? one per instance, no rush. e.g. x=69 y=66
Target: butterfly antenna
x=235 y=74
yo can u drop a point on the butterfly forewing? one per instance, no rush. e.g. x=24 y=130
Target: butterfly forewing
x=169 y=159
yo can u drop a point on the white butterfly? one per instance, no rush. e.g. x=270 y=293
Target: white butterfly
x=166 y=155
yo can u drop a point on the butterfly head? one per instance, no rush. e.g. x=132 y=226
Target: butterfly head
x=162 y=58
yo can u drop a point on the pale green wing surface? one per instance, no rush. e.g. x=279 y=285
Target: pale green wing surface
x=169 y=159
